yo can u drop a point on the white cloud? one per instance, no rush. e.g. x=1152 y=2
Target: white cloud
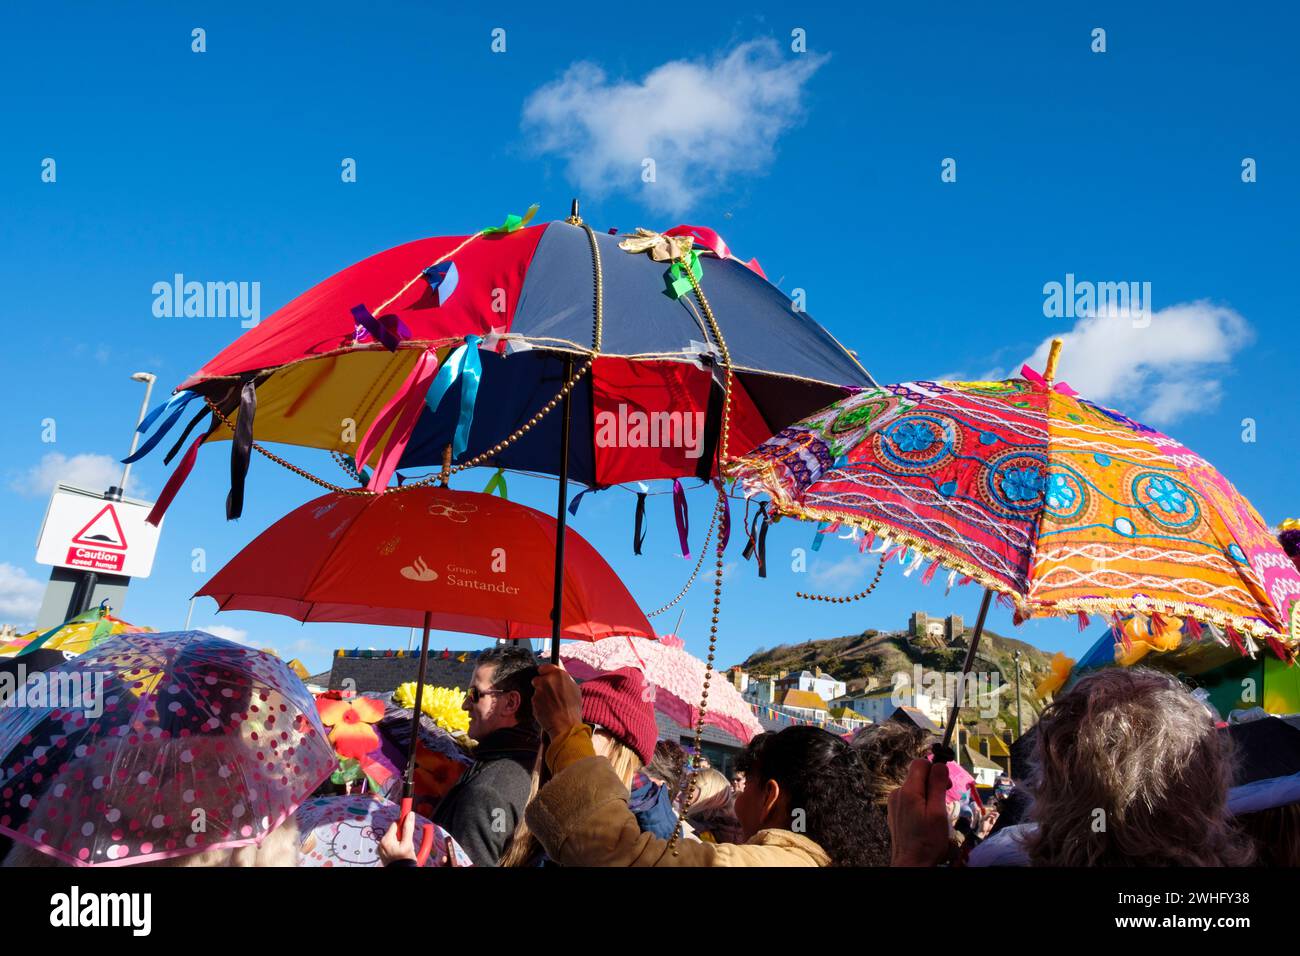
x=702 y=122
x=20 y=596
x=850 y=569
x=92 y=472
x=229 y=633
x=1156 y=373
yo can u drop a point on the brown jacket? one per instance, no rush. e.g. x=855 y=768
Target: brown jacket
x=581 y=817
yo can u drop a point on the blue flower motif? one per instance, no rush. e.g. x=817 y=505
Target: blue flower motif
x=913 y=436
x=1060 y=495
x=1168 y=495
x=1022 y=484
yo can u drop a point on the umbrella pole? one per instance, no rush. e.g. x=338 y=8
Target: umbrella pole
x=561 y=515
x=408 y=779
x=944 y=750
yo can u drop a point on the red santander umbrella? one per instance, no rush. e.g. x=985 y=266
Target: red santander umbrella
x=427 y=556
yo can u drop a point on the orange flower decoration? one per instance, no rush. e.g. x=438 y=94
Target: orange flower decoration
x=435 y=773
x=349 y=722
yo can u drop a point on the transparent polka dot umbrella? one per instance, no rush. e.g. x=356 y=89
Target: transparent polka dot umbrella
x=154 y=746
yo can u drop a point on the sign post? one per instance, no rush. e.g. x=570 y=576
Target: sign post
x=96 y=542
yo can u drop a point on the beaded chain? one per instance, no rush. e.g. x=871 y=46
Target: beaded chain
x=704 y=550
x=724 y=462
x=880 y=569
x=689 y=793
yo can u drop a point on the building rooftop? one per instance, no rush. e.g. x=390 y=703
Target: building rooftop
x=384 y=671
x=803 y=698
x=973 y=759
x=917 y=717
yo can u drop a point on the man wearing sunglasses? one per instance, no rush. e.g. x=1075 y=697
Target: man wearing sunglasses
x=482 y=810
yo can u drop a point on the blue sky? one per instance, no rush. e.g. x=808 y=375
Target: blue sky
x=225 y=165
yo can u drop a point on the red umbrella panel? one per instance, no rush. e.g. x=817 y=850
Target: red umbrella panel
x=474 y=563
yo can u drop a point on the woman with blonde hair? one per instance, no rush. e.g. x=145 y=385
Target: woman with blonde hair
x=712 y=811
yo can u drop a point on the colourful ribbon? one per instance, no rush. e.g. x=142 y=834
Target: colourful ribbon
x=682 y=516
x=497 y=485
x=577 y=500
x=758 y=540
x=513 y=223
x=705 y=238
x=466 y=365
x=1061 y=388
x=388 y=330
x=400 y=413
x=171 y=453
x=176 y=404
x=241 y=449
x=174 y=482
x=822 y=528
x=724 y=532
x=638 y=529
x=443 y=279
x=678 y=282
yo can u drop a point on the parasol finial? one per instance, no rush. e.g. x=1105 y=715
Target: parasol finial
x=574 y=219
x=446 y=467
x=1053 y=357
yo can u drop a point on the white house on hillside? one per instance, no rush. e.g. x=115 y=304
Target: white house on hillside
x=880 y=705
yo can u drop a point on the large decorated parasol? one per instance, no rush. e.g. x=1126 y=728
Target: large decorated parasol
x=462 y=340
x=72 y=637
x=1059 y=505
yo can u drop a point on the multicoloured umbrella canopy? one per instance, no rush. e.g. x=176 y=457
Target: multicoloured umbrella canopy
x=146 y=730
x=346 y=830
x=73 y=637
x=497 y=315
x=1060 y=504
x=479 y=563
x=676 y=676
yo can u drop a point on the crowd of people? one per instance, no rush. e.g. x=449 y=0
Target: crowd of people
x=1128 y=769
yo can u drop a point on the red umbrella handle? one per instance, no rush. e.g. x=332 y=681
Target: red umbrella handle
x=426 y=842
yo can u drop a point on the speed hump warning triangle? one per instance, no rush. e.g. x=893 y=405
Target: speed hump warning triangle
x=102 y=531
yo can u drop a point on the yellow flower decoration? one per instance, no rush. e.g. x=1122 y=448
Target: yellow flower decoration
x=1061 y=667
x=443 y=704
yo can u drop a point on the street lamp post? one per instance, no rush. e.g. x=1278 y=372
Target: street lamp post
x=116 y=492
x=83 y=592
x=1019 y=728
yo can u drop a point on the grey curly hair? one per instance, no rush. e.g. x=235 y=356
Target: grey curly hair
x=1136 y=746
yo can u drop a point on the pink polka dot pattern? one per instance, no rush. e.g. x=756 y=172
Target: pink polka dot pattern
x=178 y=743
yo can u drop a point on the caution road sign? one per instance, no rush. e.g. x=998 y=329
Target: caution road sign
x=84 y=530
